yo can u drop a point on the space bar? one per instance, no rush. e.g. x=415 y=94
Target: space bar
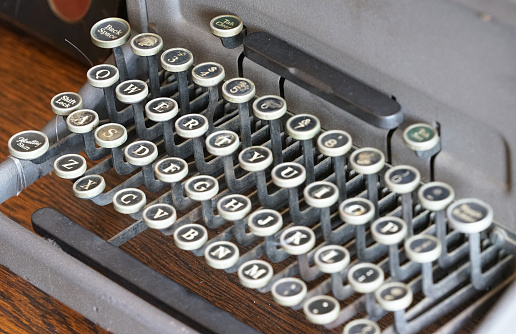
x=158 y=290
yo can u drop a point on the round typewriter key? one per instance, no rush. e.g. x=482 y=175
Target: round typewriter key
x=110 y=135
x=265 y=222
x=132 y=91
x=70 y=166
x=255 y=274
x=288 y=175
x=226 y=26
x=221 y=254
x=170 y=170
x=255 y=158
x=191 y=126
x=389 y=230
x=331 y=258
x=146 y=44
x=89 y=186
x=356 y=211
x=470 y=215
x=190 y=236
x=321 y=310
x=141 y=153
x=269 y=107
x=159 y=216
x=423 y=248
x=367 y=160
x=421 y=137
x=334 y=143
x=297 y=240
x=161 y=109
x=28 y=144
x=394 y=296
x=222 y=143
x=321 y=194
x=130 y=200
x=176 y=60
x=238 y=90
x=402 y=179
x=303 y=127
x=64 y=104
x=82 y=121
x=110 y=33
x=103 y=76
x=234 y=207
x=202 y=187
x=361 y=326
x=436 y=196
x=208 y=74
x=289 y=291
x=365 y=277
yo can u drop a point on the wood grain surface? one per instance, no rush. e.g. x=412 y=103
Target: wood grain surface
x=31 y=73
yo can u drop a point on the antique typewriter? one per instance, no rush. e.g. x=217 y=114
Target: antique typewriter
x=346 y=167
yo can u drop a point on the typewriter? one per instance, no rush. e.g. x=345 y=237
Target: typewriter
x=285 y=168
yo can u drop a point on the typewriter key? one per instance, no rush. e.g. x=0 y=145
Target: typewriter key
x=209 y=75
x=161 y=109
x=241 y=91
x=321 y=194
x=361 y=326
x=358 y=211
x=82 y=121
x=28 y=144
x=255 y=158
x=222 y=143
x=255 y=274
x=394 y=296
x=234 y=207
x=402 y=179
x=289 y=291
x=103 y=76
x=159 y=216
x=424 y=249
x=129 y=200
x=321 y=310
x=369 y=161
x=226 y=25
x=305 y=127
x=288 y=175
x=191 y=126
x=202 y=187
x=112 y=33
x=63 y=104
x=421 y=137
x=190 y=236
x=149 y=45
x=365 y=277
x=265 y=222
x=271 y=108
x=141 y=153
x=171 y=170
x=70 y=166
x=132 y=91
x=435 y=196
x=389 y=230
x=297 y=240
x=332 y=258
x=178 y=60
x=470 y=215
x=110 y=135
x=221 y=254
x=89 y=186
x=336 y=144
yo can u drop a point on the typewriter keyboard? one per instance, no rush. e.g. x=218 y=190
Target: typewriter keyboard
x=300 y=223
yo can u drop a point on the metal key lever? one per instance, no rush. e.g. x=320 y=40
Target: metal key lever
x=323 y=80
